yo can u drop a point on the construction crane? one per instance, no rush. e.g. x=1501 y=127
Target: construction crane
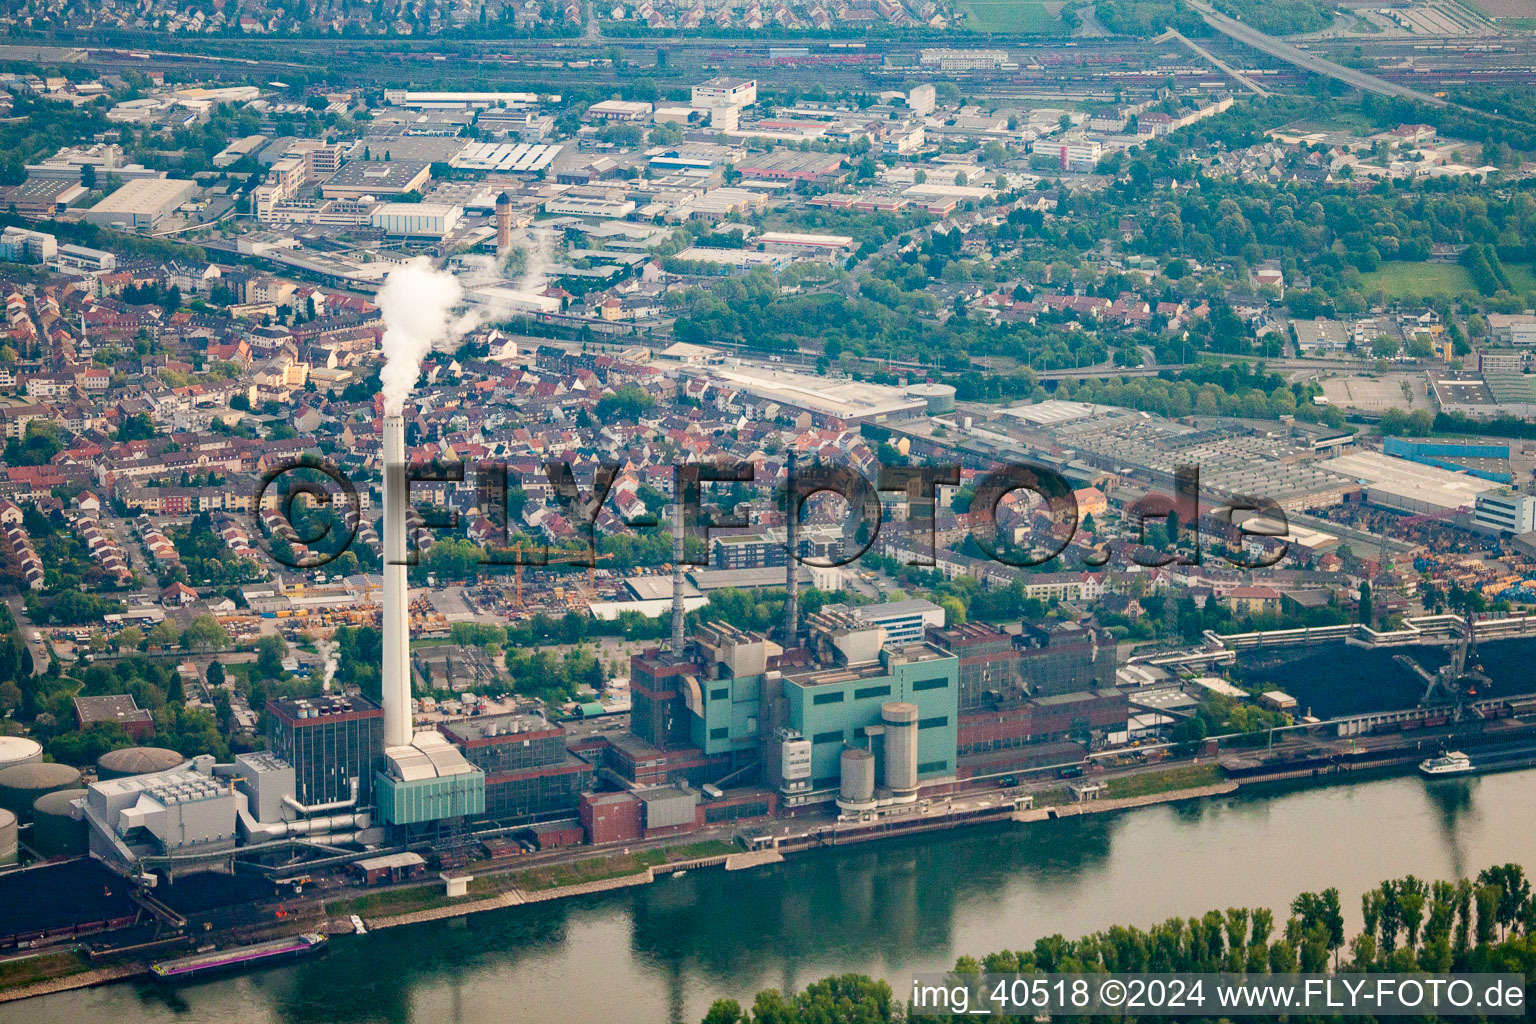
x=556 y=558
x=1408 y=522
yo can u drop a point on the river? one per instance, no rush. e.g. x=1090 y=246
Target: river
x=661 y=953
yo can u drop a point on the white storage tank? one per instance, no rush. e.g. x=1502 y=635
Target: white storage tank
x=7 y=837
x=19 y=750
x=857 y=767
x=940 y=398
x=900 y=718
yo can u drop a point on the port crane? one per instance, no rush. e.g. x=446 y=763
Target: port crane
x=1457 y=680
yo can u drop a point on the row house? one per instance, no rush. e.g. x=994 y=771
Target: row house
x=26 y=556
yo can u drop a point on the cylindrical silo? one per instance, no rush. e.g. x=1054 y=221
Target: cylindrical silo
x=858 y=778
x=19 y=750
x=55 y=832
x=900 y=718
x=22 y=784
x=937 y=398
x=131 y=761
x=7 y=837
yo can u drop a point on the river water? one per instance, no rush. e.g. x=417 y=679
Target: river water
x=663 y=952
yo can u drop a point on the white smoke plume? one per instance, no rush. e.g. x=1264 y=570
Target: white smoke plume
x=418 y=302
x=536 y=266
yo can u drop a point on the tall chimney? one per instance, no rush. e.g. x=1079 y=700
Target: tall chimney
x=791 y=563
x=503 y=224
x=397 y=594
x=679 y=613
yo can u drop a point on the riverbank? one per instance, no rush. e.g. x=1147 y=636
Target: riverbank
x=505 y=888
x=659 y=954
x=45 y=973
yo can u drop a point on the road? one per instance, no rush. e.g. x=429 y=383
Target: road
x=1225 y=68
x=1236 y=30
x=19 y=613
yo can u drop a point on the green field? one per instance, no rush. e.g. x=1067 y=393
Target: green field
x=1416 y=280
x=1439 y=280
x=1017 y=16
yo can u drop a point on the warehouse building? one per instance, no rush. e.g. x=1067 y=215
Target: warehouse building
x=377 y=178
x=725 y=92
x=849 y=402
x=589 y=208
x=142 y=203
x=416 y=220
x=1407 y=486
x=38 y=198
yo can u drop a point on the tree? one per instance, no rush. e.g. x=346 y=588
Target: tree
x=163 y=634
x=1513 y=889
x=130 y=638
x=954 y=609
x=204 y=633
x=215 y=674
x=137 y=427
x=270 y=652
x=41 y=441
x=725 y=1011
x=1367 y=616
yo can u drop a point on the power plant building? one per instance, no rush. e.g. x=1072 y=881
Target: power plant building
x=844 y=704
x=726 y=699
x=528 y=771
x=989 y=662
x=333 y=743
x=1062 y=657
x=428 y=782
x=176 y=812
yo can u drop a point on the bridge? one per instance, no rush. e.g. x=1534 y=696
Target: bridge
x=1234 y=29
x=1231 y=72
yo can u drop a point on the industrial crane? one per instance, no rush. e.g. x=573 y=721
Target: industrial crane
x=1408 y=522
x=1457 y=680
x=555 y=558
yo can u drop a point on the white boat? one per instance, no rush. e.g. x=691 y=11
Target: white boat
x=1452 y=762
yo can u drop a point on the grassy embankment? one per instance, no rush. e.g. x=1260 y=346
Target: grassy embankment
x=1189 y=776
x=46 y=967
x=392 y=902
